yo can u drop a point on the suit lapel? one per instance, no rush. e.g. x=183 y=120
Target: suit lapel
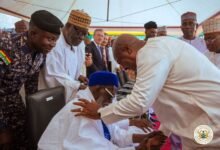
x=98 y=54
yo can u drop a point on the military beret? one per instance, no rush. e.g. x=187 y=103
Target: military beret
x=46 y=21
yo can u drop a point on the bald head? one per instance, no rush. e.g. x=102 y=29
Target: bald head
x=122 y=43
x=125 y=47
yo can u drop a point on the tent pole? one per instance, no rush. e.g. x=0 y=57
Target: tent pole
x=108 y=10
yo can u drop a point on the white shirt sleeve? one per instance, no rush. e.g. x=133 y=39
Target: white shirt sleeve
x=124 y=124
x=55 y=74
x=121 y=137
x=153 y=67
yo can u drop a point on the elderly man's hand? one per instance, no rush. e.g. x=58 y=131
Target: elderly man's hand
x=89 y=109
x=82 y=86
x=143 y=124
x=83 y=79
x=153 y=141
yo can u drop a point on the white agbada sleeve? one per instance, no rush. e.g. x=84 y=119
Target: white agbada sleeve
x=121 y=137
x=56 y=74
x=124 y=124
x=153 y=65
x=88 y=137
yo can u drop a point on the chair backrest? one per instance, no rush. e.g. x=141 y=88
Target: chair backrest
x=41 y=107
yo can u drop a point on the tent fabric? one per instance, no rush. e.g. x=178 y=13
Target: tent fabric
x=119 y=13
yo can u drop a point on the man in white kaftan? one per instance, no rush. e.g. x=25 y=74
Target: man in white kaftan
x=189 y=26
x=64 y=64
x=214 y=58
x=182 y=85
x=66 y=131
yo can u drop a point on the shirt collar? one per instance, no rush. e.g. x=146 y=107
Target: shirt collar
x=86 y=94
x=96 y=44
x=65 y=44
x=63 y=41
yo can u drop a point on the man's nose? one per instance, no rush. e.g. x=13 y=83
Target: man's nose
x=81 y=37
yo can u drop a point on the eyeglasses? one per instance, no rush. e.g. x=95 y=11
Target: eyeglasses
x=80 y=32
x=209 y=40
x=112 y=95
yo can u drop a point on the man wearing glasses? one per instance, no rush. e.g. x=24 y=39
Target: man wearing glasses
x=65 y=63
x=189 y=26
x=65 y=131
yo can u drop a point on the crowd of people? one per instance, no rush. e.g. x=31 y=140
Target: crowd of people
x=175 y=84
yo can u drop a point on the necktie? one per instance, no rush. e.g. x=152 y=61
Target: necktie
x=100 y=51
x=104 y=57
x=106 y=131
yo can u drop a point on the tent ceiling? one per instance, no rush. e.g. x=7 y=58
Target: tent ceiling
x=121 y=12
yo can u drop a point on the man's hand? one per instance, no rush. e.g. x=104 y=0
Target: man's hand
x=88 y=60
x=143 y=124
x=153 y=141
x=83 y=79
x=89 y=109
x=82 y=86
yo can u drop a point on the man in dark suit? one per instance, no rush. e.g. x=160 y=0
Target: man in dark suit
x=94 y=50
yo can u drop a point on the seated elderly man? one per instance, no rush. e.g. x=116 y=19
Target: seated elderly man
x=66 y=131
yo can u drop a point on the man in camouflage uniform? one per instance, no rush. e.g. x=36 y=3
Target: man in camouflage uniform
x=20 y=60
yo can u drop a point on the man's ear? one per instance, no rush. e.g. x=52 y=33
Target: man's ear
x=145 y=31
x=32 y=33
x=197 y=26
x=129 y=50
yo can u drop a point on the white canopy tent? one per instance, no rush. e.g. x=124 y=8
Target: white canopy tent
x=118 y=13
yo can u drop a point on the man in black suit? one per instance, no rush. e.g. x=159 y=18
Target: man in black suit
x=94 y=50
